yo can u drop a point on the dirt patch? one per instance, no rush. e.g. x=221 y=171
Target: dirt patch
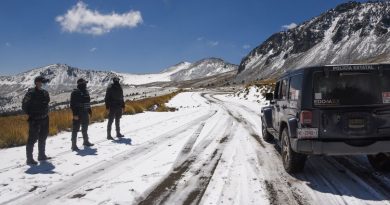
x=91 y=189
x=192 y=197
x=224 y=140
x=190 y=143
x=33 y=189
x=236 y=118
x=77 y=196
x=257 y=138
x=272 y=193
x=299 y=198
x=214 y=154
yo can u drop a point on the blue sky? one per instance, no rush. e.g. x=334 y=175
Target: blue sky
x=140 y=36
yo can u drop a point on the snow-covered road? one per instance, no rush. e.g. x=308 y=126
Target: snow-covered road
x=208 y=152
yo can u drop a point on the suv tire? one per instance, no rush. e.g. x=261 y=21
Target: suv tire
x=380 y=162
x=266 y=135
x=293 y=162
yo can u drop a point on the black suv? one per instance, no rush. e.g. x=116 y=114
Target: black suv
x=330 y=110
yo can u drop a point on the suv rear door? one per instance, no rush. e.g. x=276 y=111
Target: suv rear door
x=353 y=103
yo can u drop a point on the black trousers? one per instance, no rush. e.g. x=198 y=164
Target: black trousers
x=38 y=131
x=83 y=121
x=115 y=113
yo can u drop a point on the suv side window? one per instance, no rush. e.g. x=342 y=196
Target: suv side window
x=276 y=93
x=283 y=90
x=295 y=90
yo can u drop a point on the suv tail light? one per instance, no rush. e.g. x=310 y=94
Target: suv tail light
x=306 y=117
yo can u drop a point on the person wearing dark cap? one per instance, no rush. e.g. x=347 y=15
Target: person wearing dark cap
x=80 y=103
x=115 y=105
x=36 y=105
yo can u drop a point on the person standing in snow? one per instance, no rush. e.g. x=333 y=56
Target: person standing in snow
x=80 y=103
x=36 y=105
x=115 y=105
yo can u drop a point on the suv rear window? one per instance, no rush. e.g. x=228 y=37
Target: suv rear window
x=351 y=88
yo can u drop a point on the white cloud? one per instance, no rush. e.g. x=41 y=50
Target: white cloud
x=246 y=46
x=289 y=26
x=200 y=38
x=80 y=19
x=92 y=49
x=8 y=44
x=213 y=43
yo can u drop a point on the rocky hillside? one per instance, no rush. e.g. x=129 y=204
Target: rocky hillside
x=350 y=33
x=62 y=78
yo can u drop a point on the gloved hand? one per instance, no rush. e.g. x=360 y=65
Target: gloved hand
x=90 y=112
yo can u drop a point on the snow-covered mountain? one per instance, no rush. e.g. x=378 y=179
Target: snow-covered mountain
x=164 y=76
x=61 y=77
x=203 y=68
x=182 y=72
x=350 y=33
x=63 y=80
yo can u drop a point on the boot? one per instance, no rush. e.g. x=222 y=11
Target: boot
x=74 y=146
x=31 y=162
x=119 y=135
x=109 y=137
x=87 y=143
x=41 y=148
x=29 y=155
x=43 y=158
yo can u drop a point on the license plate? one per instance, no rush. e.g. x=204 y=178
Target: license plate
x=307 y=133
x=356 y=123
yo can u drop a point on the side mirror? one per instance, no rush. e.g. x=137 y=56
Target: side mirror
x=269 y=96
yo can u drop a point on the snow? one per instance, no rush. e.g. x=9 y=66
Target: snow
x=210 y=151
x=165 y=76
x=252 y=94
x=188 y=100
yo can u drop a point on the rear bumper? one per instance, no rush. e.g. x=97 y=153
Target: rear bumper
x=337 y=148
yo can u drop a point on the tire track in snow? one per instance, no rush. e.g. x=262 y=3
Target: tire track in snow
x=286 y=192
x=168 y=189
x=86 y=176
x=379 y=178
x=249 y=126
x=376 y=186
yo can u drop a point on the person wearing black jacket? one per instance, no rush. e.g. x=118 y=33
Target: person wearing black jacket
x=36 y=105
x=80 y=103
x=115 y=105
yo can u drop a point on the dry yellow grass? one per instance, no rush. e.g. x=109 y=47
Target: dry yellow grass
x=14 y=129
x=266 y=82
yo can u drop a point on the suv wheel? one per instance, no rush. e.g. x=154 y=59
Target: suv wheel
x=380 y=162
x=293 y=162
x=266 y=135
